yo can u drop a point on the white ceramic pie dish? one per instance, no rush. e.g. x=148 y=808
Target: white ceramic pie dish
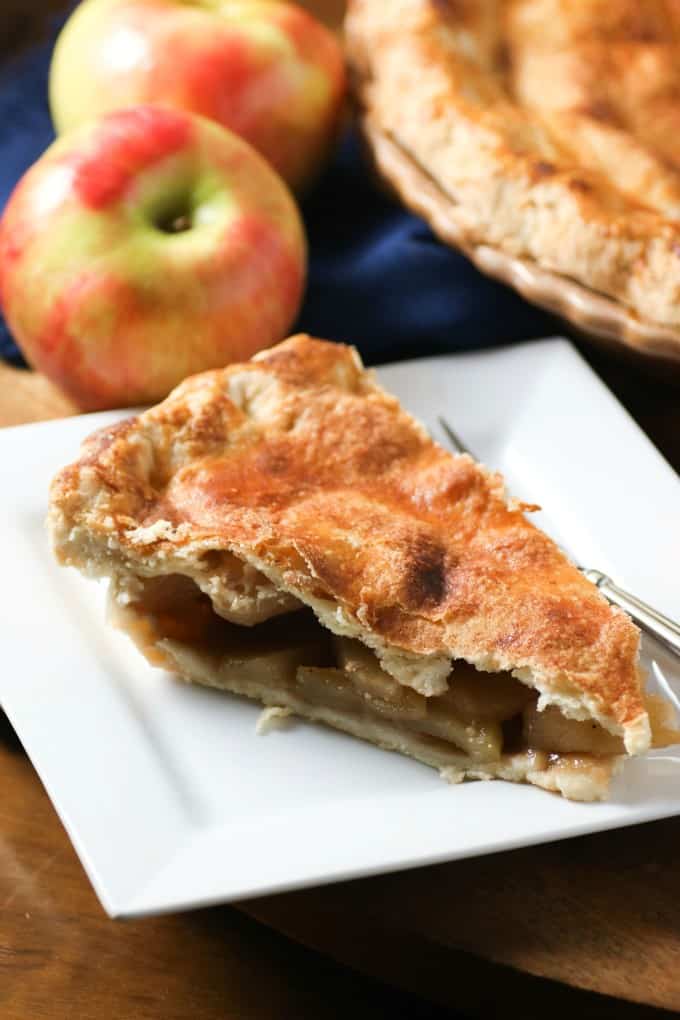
x=169 y=796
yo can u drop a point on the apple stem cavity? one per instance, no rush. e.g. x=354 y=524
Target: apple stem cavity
x=174 y=223
x=179 y=224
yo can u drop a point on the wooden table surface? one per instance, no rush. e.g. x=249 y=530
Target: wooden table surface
x=591 y=924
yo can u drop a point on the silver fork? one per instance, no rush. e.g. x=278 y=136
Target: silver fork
x=652 y=621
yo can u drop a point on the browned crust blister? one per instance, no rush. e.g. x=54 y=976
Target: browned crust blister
x=550 y=130
x=299 y=465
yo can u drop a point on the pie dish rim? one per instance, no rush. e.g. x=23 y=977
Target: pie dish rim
x=593 y=314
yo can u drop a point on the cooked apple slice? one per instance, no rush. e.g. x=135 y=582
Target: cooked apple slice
x=482 y=741
x=549 y=730
x=385 y=694
x=485 y=697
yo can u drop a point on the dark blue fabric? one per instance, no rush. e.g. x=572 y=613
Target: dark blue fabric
x=377 y=276
x=25 y=131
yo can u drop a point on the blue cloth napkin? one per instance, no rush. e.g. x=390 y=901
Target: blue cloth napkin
x=378 y=278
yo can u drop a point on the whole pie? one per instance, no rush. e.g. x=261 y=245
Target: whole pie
x=541 y=131
x=282 y=529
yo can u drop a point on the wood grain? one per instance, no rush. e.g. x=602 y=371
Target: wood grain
x=61 y=958
x=28 y=396
x=598 y=913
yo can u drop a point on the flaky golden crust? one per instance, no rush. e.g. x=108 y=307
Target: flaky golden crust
x=299 y=465
x=550 y=125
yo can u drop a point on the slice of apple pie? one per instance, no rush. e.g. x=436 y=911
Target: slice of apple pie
x=282 y=529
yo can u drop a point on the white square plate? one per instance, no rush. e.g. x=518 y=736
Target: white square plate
x=170 y=798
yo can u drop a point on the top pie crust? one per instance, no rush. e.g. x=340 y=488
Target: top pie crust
x=553 y=127
x=295 y=477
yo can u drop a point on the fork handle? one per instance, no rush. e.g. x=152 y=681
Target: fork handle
x=648 y=618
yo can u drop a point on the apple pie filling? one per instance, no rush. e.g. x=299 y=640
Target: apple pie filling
x=483 y=720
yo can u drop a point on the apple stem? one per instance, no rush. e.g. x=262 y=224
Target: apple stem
x=178 y=224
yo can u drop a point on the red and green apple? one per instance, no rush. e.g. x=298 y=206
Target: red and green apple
x=144 y=247
x=266 y=70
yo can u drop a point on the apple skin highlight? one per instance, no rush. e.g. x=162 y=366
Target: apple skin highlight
x=145 y=247
x=267 y=71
